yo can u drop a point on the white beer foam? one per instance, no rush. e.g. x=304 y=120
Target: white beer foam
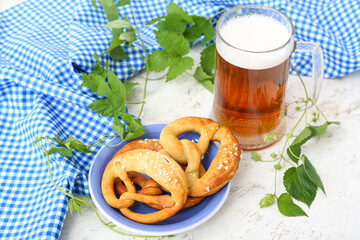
x=256 y=34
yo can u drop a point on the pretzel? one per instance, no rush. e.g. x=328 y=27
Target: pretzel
x=224 y=165
x=109 y=176
x=149 y=186
x=163 y=169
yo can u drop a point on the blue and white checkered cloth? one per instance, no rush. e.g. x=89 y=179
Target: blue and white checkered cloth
x=43 y=47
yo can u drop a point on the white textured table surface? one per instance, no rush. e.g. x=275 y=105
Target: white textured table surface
x=335 y=156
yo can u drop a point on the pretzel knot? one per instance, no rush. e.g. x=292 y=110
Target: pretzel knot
x=163 y=169
x=224 y=165
x=148 y=186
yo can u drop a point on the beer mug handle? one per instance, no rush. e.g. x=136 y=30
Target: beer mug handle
x=318 y=66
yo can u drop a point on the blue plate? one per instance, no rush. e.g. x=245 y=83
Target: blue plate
x=183 y=221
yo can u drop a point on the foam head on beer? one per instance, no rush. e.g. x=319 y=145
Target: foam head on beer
x=250 y=38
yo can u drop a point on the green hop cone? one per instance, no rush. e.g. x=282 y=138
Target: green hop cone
x=267 y=200
x=267 y=138
x=255 y=156
x=277 y=166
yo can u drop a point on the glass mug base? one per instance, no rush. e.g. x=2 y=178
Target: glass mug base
x=253 y=143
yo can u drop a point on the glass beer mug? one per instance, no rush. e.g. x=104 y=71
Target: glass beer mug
x=253 y=48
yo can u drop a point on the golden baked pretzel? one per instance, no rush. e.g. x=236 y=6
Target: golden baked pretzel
x=149 y=186
x=109 y=175
x=166 y=172
x=224 y=165
x=163 y=169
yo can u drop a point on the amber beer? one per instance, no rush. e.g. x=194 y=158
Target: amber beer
x=251 y=71
x=249 y=101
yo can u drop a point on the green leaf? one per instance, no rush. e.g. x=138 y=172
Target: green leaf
x=102 y=107
x=267 y=200
x=202 y=26
x=118 y=127
x=96 y=57
x=110 y=9
x=288 y=208
x=175 y=21
x=76 y=203
x=76 y=206
x=62 y=150
x=85 y=198
x=59 y=141
x=299 y=185
x=173 y=44
x=179 y=68
x=96 y=81
x=207 y=59
x=174 y=25
x=304 y=136
x=73 y=143
x=203 y=78
x=115 y=42
x=122 y=3
x=106 y=107
x=118 y=90
x=175 y=47
x=294 y=152
x=255 y=156
x=93 y=2
x=117 y=53
x=174 y=10
x=115 y=50
x=71 y=206
x=118 y=23
x=311 y=173
x=160 y=60
x=134 y=127
x=115 y=100
x=129 y=36
x=154 y=20
x=129 y=86
x=320 y=130
x=112 y=14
